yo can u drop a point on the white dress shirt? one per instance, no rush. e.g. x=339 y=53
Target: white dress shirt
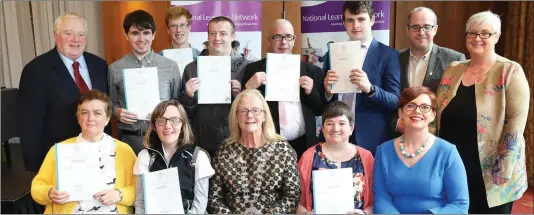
x=84 y=71
x=293 y=128
x=417 y=68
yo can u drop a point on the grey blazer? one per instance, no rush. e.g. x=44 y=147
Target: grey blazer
x=440 y=58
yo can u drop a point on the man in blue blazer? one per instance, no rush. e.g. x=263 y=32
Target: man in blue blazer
x=50 y=87
x=379 y=79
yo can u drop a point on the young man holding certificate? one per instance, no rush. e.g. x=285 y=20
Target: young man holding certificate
x=140 y=29
x=378 y=79
x=209 y=112
x=295 y=120
x=178 y=22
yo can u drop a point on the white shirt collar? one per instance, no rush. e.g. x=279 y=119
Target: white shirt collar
x=367 y=43
x=68 y=62
x=425 y=57
x=105 y=138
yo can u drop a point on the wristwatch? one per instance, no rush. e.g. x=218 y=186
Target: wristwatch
x=120 y=194
x=371 y=91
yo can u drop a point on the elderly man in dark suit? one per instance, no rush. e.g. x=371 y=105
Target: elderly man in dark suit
x=299 y=124
x=51 y=85
x=424 y=62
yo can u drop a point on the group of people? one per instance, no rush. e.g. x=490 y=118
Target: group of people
x=458 y=124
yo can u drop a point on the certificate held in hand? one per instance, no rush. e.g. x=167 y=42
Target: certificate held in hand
x=214 y=73
x=77 y=169
x=162 y=192
x=181 y=56
x=283 y=74
x=333 y=191
x=344 y=57
x=141 y=89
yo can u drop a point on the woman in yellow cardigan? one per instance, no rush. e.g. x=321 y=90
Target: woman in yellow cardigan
x=116 y=159
x=482 y=109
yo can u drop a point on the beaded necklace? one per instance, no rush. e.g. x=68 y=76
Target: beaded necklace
x=412 y=155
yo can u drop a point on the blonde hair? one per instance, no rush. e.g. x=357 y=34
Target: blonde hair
x=68 y=15
x=186 y=134
x=268 y=131
x=485 y=17
x=175 y=12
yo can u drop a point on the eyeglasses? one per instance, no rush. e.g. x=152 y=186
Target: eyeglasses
x=181 y=26
x=162 y=121
x=424 y=107
x=473 y=35
x=279 y=37
x=254 y=111
x=417 y=28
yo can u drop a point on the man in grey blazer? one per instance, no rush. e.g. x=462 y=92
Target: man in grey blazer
x=424 y=62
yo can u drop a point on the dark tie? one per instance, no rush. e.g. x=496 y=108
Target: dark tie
x=78 y=78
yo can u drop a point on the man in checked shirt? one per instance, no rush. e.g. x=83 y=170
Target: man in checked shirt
x=140 y=31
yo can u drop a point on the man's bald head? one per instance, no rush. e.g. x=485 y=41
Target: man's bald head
x=281 y=24
x=282 y=37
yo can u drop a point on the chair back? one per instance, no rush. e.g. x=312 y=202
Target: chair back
x=9 y=113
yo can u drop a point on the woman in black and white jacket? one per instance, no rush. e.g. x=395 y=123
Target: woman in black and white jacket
x=169 y=143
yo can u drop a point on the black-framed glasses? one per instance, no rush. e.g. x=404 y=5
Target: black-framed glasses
x=279 y=37
x=425 y=108
x=173 y=120
x=417 y=28
x=244 y=111
x=181 y=26
x=483 y=35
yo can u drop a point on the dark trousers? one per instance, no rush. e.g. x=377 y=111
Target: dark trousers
x=299 y=145
x=135 y=141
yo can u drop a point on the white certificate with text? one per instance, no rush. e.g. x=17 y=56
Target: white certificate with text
x=162 y=192
x=181 y=56
x=283 y=74
x=141 y=89
x=214 y=73
x=344 y=57
x=77 y=169
x=333 y=191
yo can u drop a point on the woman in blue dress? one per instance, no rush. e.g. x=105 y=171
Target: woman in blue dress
x=419 y=172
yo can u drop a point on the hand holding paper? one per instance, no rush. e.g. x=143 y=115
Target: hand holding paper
x=360 y=79
x=141 y=88
x=215 y=73
x=283 y=75
x=257 y=80
x=75 y=162
x=344 y=57
x=58 y=197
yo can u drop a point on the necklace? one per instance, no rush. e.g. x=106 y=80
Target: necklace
x=336 y=158
x=412 y=155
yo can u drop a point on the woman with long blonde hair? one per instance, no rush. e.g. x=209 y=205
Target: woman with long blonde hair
x=255 y=168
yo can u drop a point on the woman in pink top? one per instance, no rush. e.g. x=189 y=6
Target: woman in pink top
x=337 y=152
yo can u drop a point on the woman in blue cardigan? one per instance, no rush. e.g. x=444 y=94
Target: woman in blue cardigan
x=419 y=172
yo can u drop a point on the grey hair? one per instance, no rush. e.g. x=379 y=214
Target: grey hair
x=485 y=17
x=417 y=9
x=68 y=15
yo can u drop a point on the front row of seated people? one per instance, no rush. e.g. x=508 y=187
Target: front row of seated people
x=256 y=170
